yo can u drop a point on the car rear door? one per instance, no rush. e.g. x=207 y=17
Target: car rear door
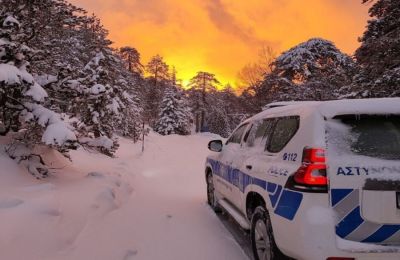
x=271 y=165
x=363 y=159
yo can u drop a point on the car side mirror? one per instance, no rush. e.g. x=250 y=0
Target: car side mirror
x=215 y=146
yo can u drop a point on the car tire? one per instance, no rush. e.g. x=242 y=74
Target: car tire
x=211 y=197
x=262 y=237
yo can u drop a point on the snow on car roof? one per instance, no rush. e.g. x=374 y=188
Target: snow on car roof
x=360 y=106
x=332 y=108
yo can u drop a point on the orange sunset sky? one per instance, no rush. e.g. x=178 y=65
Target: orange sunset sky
x=221 y=36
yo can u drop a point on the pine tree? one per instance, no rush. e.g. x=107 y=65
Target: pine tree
x=201 y=86
x=131 y=58
x=156 y=84
x=186 y=116
x=173 y=117
x=129 y=124
x=22 y=100
x=218 y=122
x=313 y=70
x=76 y=71
x=379 y=53
x=100 y=104
x=224 y=112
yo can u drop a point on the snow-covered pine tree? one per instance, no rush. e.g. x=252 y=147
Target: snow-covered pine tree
x=155 y=86
x=101 y=95
x=173 y=117
x=108 y=102
x=379 y=53
x=21 y=101
x=224 y=112
x=185 y=111
x=99 y=104
x=65 y=40
x=62 y=37
x=130 y=122
x=133 y=84
x=218 y=121
x=313 y=70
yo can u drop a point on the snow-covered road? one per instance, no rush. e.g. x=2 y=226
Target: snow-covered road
x=135 y=206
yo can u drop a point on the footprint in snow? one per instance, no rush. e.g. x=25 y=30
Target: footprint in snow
x=105 y=201
x=95 y=175
x=130 y=254
x=10 y=203
x=51 y=212
x=39 y=187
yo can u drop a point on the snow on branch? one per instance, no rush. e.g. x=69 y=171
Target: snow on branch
x=10 y=21
x=57 y=132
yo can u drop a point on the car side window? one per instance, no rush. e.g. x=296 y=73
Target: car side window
x=236 y=137
x=258 y=132
x=283 y=131
x=247 y=134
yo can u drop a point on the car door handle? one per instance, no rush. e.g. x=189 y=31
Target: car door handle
x=249 y=167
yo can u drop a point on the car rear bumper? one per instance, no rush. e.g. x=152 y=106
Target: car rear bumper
x=311 y=235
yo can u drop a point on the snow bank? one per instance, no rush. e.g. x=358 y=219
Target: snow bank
x=104 y=208
x=102 y=141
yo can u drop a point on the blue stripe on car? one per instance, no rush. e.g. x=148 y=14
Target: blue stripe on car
x=382 y=233
x=354 y=221
x=287 y=205
x=349 y=223
x=339 y=194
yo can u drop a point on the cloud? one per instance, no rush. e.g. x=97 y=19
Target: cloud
x=227 y=23
x=221 y=36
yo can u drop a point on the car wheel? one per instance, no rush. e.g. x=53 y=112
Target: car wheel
x=262 y=238
x=211 y=198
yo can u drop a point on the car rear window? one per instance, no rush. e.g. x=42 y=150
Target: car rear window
x=375 y=136
x=284 y=130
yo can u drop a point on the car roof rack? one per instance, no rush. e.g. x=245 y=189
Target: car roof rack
x=285 y=103
x=279 y=104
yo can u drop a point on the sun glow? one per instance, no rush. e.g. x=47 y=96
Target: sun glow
x=221 y=36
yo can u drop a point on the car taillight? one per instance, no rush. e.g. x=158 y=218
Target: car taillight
x=312 y=173
x=313 y=155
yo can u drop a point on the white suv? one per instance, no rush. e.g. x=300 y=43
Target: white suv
x=313 y=180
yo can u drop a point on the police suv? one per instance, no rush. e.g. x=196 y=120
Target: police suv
x=313 y=180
